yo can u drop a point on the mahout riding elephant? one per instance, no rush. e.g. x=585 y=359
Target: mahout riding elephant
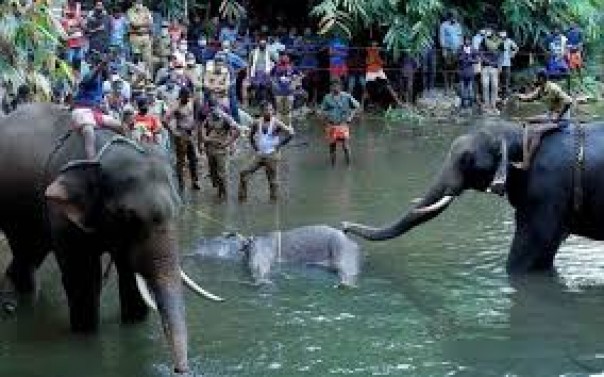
x=560 y=193
x=315 y=245
x=123 y=203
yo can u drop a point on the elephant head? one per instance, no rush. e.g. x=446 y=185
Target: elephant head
x=472 y=163
x=127 y=202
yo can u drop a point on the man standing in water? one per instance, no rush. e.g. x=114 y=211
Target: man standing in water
x=185 y=130
x=218 y=134
x=267 y=136
x=339 y=108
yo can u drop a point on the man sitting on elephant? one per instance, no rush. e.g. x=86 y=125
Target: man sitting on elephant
x=558 y=104
x=86 y=113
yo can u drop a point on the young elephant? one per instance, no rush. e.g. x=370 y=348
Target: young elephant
x=318 y=245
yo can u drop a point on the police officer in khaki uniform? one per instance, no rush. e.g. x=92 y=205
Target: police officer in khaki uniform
x=141 y=21
x=218 y=133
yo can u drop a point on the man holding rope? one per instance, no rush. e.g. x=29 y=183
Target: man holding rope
x=558 y=103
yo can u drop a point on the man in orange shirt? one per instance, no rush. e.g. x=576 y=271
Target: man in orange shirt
x=375 y=77
x=146 y=127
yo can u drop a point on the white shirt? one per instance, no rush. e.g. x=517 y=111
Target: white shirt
x=268 y=141
x=509 y=51
x=126 y=89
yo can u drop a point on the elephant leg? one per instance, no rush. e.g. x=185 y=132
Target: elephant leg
x=81 y=276
x=539 y=232
x=132 y=306
x=28 y=254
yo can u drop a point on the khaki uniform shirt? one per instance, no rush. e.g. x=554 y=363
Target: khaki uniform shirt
x=217 y=82
x=555 y=98
x=140 y=20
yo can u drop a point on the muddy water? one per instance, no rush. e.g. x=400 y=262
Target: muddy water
x=434 y=303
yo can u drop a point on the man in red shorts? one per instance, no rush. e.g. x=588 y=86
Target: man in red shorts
x=338 y=108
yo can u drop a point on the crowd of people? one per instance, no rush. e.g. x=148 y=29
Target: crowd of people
x=188 y=86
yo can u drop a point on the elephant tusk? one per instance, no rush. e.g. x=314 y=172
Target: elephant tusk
x=141 y=284
x=442 y=203
x=197 y=289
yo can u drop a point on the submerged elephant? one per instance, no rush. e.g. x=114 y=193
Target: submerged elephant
x=560 y=194
x=124 y=203
x=318 y=245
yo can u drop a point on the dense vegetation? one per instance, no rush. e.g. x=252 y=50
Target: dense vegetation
x=411 y=25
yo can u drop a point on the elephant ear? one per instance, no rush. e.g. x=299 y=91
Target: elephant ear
x=76 y=192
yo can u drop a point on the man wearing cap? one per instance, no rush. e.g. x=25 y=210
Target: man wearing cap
x=338 y=109
x=141 y=22
x=267 y=136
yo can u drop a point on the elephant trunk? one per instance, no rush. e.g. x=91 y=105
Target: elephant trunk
x=172 y=311
x=159 y=266
x=438 y=198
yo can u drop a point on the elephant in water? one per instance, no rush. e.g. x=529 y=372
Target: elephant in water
x=123 y=202
x=318 y=245
x=560 y=194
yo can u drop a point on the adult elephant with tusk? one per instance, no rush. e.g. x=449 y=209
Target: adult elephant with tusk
x=560 y=193
x=123 y=202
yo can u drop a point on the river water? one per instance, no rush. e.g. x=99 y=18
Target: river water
x=436 y=302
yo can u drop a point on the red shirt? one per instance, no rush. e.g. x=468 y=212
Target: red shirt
x=150 y=122
x=73 y=29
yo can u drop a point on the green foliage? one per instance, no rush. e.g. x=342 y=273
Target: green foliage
x=28 y=40
x=406 y=115
x=531 y=20
x=411 y=25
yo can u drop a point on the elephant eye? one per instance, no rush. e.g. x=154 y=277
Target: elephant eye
x=467 y=159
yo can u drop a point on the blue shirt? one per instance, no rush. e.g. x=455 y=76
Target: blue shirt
x=466 y=63
x=227 y=34
x=235 y=61
x=451 y=36
x=338 y=52
x=117 y=35
x=338 y=108
x=90 y=91
x=308 y=48
x=283 y=77
x=575 y=36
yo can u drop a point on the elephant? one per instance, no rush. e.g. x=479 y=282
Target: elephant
x=123 y=202
x=559 y=194
x=318 y=245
